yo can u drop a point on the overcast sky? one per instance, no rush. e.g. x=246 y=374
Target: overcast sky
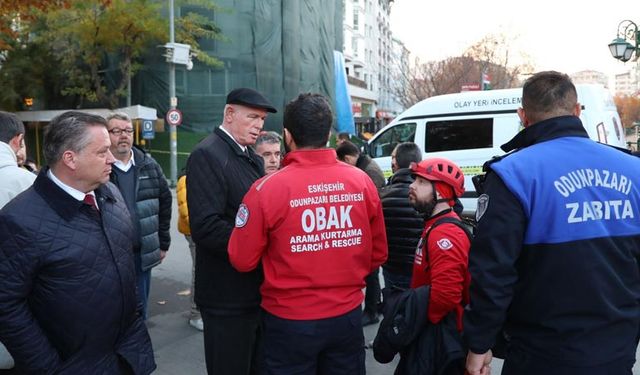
x=563 y=35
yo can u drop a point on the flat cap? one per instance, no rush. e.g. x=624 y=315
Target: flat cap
x=250 y=98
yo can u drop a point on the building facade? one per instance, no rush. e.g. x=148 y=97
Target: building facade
x=590 y=76
x=358 y=32
x=370 y=61
x=627 y=83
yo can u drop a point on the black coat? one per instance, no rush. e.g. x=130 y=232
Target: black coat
x=67 y=284
x=404 y=224
x=425 y=348
x=218 y=176
x=153 y=208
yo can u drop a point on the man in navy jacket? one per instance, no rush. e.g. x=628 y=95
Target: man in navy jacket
x=67 y=279
x=554 y=263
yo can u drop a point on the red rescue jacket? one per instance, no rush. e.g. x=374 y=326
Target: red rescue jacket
x=318 y=227
x=443 y=263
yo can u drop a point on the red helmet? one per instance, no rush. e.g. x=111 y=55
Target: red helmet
x=439 y=169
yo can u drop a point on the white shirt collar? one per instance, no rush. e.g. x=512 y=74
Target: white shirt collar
x=10 y=151
x=77 y=194
x=125 y=167
x=243 y=148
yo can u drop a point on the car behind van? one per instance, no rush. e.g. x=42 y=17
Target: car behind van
x=469 y=128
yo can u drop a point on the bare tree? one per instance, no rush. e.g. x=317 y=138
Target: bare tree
x=494 y=56
x=629 y=109
x=490 y=55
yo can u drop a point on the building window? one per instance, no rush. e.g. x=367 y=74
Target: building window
x=449 y=135
x=355 y=19
x=387 y=141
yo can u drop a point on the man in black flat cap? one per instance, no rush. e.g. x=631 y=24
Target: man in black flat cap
x=220 y=171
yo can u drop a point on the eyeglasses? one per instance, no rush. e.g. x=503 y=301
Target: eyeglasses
x=117 y=131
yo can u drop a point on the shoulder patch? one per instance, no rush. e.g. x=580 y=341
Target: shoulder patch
x=242 y=217
x=444 y=244
x=483 y=204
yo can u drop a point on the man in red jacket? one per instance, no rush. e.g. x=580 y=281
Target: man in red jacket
x=318 y=228
x=442 y=257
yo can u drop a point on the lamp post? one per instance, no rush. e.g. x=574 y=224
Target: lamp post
x=623 y=47
x=620 y=48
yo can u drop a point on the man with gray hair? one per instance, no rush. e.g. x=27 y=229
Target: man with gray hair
x=220 y=170
x=13 y=179
x=268 y=146
x=146 y=193
x=67 y=278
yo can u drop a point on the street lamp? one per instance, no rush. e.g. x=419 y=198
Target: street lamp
x=620 y=48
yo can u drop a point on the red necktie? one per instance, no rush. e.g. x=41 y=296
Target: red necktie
x=91 y=201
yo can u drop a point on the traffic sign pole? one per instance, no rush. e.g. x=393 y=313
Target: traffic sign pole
x=173 y=132
x=174 y=117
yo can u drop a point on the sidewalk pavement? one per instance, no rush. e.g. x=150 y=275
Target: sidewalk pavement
x=179 y=348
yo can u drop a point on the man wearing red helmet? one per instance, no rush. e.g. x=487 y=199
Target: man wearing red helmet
x=443 y=251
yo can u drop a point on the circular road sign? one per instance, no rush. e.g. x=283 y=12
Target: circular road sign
x=174 y=117
x=147 y=125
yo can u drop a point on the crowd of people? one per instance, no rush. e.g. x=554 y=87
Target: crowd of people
x=285 y=234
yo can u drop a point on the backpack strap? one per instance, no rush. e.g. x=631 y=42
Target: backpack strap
x=451 y=220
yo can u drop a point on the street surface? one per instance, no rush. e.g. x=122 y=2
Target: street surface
x=178 y=347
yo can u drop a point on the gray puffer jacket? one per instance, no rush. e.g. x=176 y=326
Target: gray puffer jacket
x=153 y=208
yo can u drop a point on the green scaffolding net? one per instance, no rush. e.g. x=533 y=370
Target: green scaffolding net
x=279 y=47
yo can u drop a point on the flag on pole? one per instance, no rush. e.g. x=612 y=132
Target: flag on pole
x=486 y=81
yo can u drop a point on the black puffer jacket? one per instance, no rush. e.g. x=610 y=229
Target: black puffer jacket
x=219 y=174
x=404 y=224
x=153 y=208
x=67 y=285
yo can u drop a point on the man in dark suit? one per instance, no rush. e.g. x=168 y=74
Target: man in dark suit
x=67 y=279
x=220 y=171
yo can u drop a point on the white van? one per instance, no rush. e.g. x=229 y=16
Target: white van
x=469 y=128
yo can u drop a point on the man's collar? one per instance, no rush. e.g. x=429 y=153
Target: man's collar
x=9 y=150
x=75 y=193
x=243 y=148
x=562 y=126
x=60 y=199
x=125 y=166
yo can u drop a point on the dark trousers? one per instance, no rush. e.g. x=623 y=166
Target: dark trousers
x=333 y=346
x=143 y=283
x=518 y=363
x=232 y=343
x=372 y=293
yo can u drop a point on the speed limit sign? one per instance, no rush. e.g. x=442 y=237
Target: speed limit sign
x=174 y=117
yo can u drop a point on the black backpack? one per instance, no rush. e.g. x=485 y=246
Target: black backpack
x=467 y=225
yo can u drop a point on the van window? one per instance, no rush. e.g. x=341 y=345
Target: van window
x=466 y=134
x=387 y=141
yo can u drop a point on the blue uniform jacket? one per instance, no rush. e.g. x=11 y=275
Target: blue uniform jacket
x=555 y=258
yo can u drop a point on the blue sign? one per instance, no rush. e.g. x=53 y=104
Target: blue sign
x=148 y=132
